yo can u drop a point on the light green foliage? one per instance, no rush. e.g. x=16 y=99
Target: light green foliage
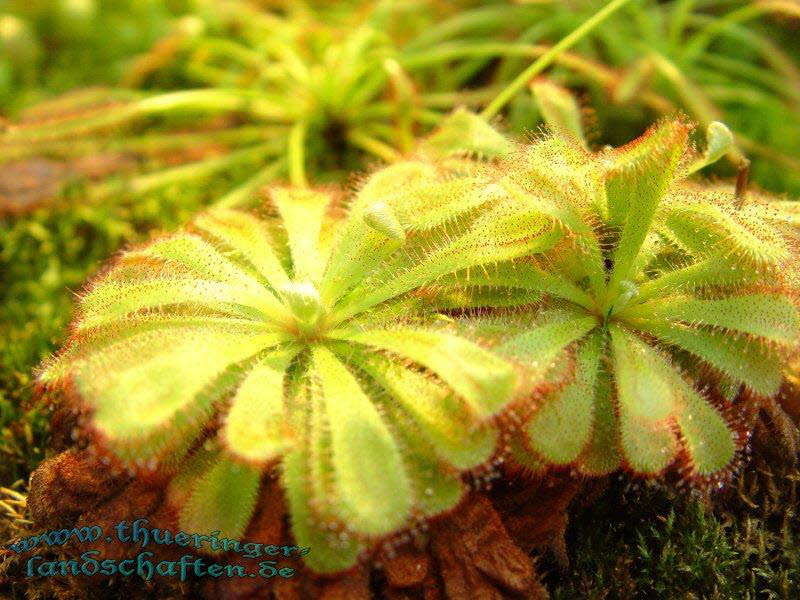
x=234 y=87
x=50 y=46
x=463 y=129
x=559 y=109
x=308 y=336
x=719 y=141
x=337 y=338
x=734 y=62
x=662 y=289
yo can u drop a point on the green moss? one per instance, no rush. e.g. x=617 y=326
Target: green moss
x=648 y=542
x=45 y=258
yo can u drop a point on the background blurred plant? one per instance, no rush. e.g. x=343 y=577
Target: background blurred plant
x=713 y=59
x=728 y=60
x=51 y=46
x=256 y=92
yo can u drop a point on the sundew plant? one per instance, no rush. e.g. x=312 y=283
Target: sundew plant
x=666 y=311
x=302 y=336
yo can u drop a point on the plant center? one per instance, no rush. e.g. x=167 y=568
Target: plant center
x=305 y=304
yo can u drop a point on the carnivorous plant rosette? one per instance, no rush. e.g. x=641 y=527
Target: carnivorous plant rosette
x=301 y=336
x=663 y=301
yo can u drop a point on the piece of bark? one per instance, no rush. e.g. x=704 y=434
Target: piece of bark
x=478 y=559
x=138 y=500
x=65 y=486
x=407 y=570
x=467 y=553
x=353 y=584
x=535 y=512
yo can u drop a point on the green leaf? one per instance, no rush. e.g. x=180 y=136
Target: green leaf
x=310 y=415
x=464 y=132
x=426 y=199
x=195 y=254
x=648 y=446
x=537 y=181
x=484 y=381
x=436 y=486
x=356 y=254
x=646 y=403
x=302 y=212
x=559 y=110
x=155 y=389
x=518 y=274
x=538 y=348
x=437 y=298
x=601 y=456
x=395 y=181
x=437 y=413
x=503 y=233
x=305 y=303
x=745 y=360
x=358 y=247
x=204 y=260
x=110 y=300
x=641 y=389
x=719 y=140
x=373 y=489
x=330 y=552
x=248 y=237
x=705 y=434
x=194 y=468
x=552 y=165
x=255 y=427
x=382 y=218
x=93 y=341
x=638 y=177
x=560 y=429
x=518 y=450
x=222 y=501
x=696 y=276
x=771 y=317
x=709 y=226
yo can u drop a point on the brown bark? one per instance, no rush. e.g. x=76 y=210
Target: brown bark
x=481 y=550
